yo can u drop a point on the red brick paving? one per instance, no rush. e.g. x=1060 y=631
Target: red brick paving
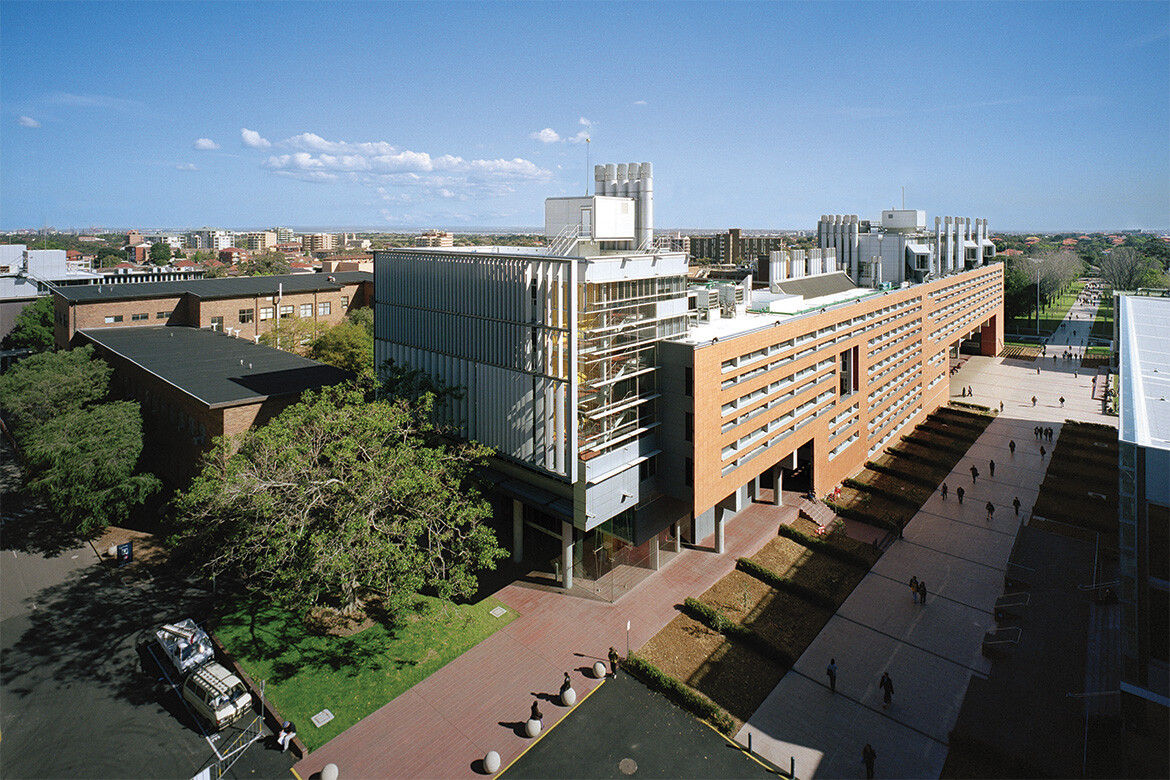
x=443 y=726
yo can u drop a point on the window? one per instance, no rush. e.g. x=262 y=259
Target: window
x=648 y=468
x=114 y=318
x=286 y=311
x=690 y=472
x=690 y=381
x=162 y=315
x=266 y=313
x=690 y=427
x=345 y=301
x=306 y=310
x=139 y=317
x=246 y=315
x=217 y=323
x=323 y=309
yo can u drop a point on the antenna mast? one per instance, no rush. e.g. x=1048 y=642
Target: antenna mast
x=903 y=197
x=586 y=165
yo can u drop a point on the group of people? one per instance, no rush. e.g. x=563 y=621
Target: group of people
x=918 y=590
x=1044 y=434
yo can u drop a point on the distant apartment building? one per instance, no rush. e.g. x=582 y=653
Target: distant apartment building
x=435 y=238
x=1142 y=326
x=734 y=248
x=318 y=242
x=260 y=241
x=171 y=240
x=630 y=409
x=139 y=254
x=133 y=238
x=285 y=235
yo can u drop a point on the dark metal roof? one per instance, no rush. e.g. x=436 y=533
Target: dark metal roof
x=215 y=368
x=227 y=287
x=817 y=286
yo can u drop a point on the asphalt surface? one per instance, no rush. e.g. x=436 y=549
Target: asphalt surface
x=623 y=721
x=76 y=699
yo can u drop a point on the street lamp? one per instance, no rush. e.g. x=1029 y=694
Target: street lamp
x=1036 y=265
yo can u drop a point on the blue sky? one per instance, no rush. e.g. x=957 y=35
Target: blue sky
x=1036 y=116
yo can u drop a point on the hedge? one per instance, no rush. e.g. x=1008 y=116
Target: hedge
x=717 y=621
x=966 y=405
x=771 y=578
x=821 y=545
x=680 y=693
x=861 y=516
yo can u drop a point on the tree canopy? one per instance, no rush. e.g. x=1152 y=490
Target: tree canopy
x=270 y=263
x=34 y=327
x=1125 y=268
x=340 y=499
x=80 y=454
x=160 y=253
x=349 y=344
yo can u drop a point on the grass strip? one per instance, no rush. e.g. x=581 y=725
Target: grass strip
x=680 y=693
x=774 y=580
x=717 y=621
x=903 y=474
x=913 y=501
x=888 y=522
x=822 y=545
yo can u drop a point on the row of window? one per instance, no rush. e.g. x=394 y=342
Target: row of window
x=894 y=431
x=324 y=308
x=115 y=318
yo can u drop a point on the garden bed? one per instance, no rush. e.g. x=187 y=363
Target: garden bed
x=784 y=620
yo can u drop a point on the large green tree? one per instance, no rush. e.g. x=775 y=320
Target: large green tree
x=341 y=499
x=160 y=253
x=349 y=344
x=1124 y=268
x=43 y=386
x=34 y=327
x=269 y=263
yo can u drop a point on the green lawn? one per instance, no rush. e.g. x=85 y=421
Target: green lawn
x=1050 y=316
x=350 y=676
x=1103 y=322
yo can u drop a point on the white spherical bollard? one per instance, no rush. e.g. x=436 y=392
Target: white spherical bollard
x=491 y=762
x=532 y=727
x=569 y=697
x=329 y=772
x=113 y=551
x=599 y=670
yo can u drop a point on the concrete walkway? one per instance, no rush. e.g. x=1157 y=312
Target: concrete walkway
x=931 y=651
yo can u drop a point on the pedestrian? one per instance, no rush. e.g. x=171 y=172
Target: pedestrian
x=1001 y=406
x=959 y=494
x=1012 y=447
x=914 y=589
x=974 y=474
x=962 y=392
x=868 y=755
x=1037 y=374
x=1076 y=374
x=566 y=684
x=1034 y=397
x=990 y=511
x=943 y=490
x=921 y=593
x=887 y=686
x=831 y=670
x=287 y=732
x=536 y=714
x=1043 y=452
x=614 y=658
x=1062 y=402
x=1054 y=360
x=991 y=467
x=1016 y=505
x=1049 y=432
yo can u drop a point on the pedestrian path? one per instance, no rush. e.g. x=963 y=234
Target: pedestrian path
x=930 y=651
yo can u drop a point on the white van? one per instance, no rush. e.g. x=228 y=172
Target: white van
x=216 y=695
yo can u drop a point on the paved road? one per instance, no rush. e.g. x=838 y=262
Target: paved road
x=74 y=698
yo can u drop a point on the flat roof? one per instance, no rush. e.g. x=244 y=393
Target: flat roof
x=1145 y=370
x=212 y=367
x=225 y=287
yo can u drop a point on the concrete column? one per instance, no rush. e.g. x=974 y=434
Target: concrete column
x=517 y=530
x=654 y=560
x=777 y=484
x=677 y=536
x=719 y=531
x=753 y=489
x=566 y=555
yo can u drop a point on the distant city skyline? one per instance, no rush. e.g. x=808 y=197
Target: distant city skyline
x=1040 y=117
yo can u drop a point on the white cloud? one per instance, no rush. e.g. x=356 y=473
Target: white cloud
x=585 y=122
x=641 y=103
x=253 y=139
x=28 y=121
x=546 y=136
x=205 y=144
x=187 y=166
x=550 y=136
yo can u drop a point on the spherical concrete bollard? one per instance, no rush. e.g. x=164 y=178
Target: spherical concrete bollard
x=599 y=670
x=532 y=727
x=113 y=551
x=329 y=772
x=569 y=697
x=491 y=762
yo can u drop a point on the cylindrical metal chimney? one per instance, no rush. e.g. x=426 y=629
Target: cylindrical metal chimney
x=610 y=178
x=622 y=177
x=598 y=179
x=644 y=210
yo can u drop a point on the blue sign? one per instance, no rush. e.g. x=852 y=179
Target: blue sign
x=125 y=553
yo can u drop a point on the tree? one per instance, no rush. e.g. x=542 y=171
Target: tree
x=108 y=257
x=292 y=334
x=1125 y=269
x=80 y=454
x=270 y=263
x=160 y=253
x=349 y=344
x=34 y=327
x=340 y=499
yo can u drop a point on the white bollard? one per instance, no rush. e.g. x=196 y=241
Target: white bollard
x=329 y=772
x=569 y=697
x=113 y=551
x=532 y=727
x=599 y=670
x=491 y=762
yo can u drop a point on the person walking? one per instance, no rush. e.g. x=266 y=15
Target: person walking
x=1048 y=432
x=868 y=756
x=974 y=474
x=1016 y=505
x=970 y=392
x=887 y=686
x=943 y=491
x=614 y=658
x=288 y=730
x=990 y=511
x=831 y=670
x=1012 y=447
x=991 y=467
x=914 y=589
x=959 y=494
x=1062 y=402
x=1043 y=452
x=1034 y=397
x=1001 y=406
x=922 y=592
